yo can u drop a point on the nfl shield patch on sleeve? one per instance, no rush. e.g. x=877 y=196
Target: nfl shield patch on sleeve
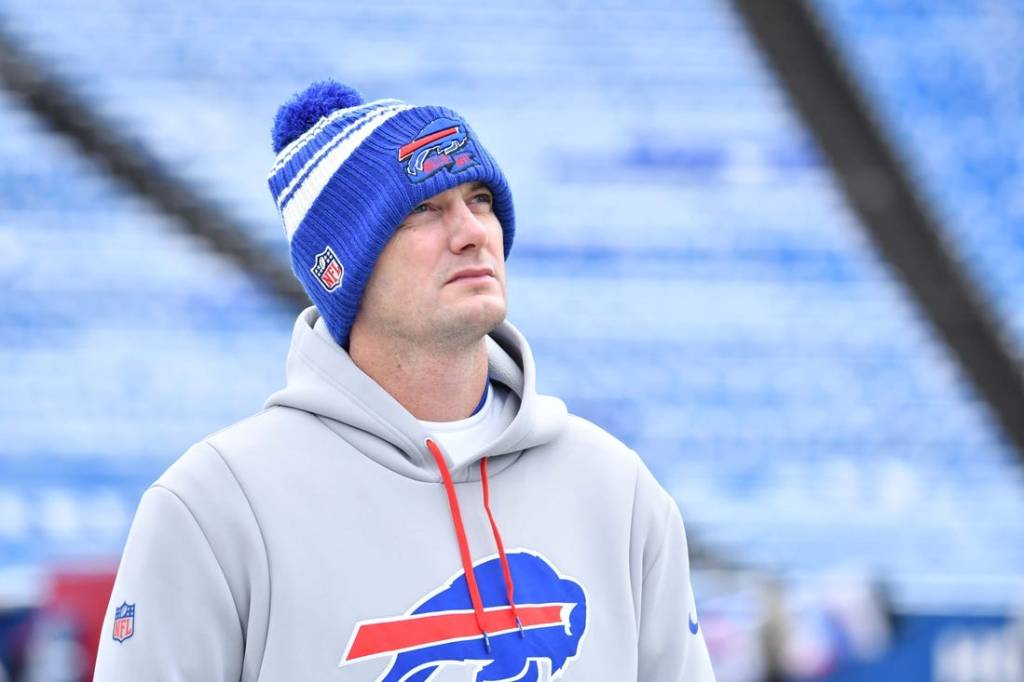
x=124 y=621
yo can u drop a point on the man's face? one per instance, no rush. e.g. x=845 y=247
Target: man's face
x=441 y=277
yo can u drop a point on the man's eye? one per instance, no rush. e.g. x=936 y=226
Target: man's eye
x=483 y=198
x=419 y=209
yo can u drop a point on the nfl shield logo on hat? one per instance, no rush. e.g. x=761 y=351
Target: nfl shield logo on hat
x=124 y=621
x=328 y=269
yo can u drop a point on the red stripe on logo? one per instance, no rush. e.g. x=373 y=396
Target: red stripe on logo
x=406 y=151
x=411 y=632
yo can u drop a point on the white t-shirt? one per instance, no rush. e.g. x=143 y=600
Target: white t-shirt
x=462 y=438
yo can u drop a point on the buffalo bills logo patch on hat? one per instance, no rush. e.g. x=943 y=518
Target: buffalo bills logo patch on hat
x=441 y=629
x=328 y=269
x=124 y=621
x=444 y=144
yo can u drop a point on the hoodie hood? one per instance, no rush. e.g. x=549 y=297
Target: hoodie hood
x=323 y=380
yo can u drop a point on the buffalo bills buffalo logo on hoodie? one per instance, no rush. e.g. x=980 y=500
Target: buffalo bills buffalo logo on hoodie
x=541 y=634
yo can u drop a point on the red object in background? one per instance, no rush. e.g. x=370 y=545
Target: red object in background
x=81 y=597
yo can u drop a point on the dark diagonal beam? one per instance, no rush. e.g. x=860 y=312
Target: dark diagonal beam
x=57 y=105
x=878 y=188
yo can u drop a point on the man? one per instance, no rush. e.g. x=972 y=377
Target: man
x=408 y=507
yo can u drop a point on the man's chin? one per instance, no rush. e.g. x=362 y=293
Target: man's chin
x=478 y=318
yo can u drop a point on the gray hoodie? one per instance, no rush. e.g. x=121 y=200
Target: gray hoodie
x=325 y=538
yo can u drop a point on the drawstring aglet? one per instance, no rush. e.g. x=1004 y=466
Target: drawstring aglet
x=487 y=642
x=519 y=624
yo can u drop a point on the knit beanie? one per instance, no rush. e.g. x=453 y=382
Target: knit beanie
x=347 y=174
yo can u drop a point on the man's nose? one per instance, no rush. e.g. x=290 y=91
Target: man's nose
x=467 y=230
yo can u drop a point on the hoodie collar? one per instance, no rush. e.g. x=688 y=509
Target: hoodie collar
x=323 y=380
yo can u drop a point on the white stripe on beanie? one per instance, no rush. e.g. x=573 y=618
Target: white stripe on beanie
x=295 y=145
x=286 y=194
x=321 y=168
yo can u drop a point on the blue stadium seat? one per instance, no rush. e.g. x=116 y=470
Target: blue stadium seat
x=944 y=82
x=121 y=342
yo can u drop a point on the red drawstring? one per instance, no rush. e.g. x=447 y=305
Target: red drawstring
x=460 y=535
x=509 y=586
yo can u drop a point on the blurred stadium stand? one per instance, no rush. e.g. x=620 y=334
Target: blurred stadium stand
x=945 y=79
x=120 y=339
x=687 y=271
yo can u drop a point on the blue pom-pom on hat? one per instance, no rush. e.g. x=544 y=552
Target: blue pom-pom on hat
x=304 y=109
x=348 y=172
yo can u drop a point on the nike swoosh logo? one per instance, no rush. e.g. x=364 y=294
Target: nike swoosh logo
x=694 y=625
